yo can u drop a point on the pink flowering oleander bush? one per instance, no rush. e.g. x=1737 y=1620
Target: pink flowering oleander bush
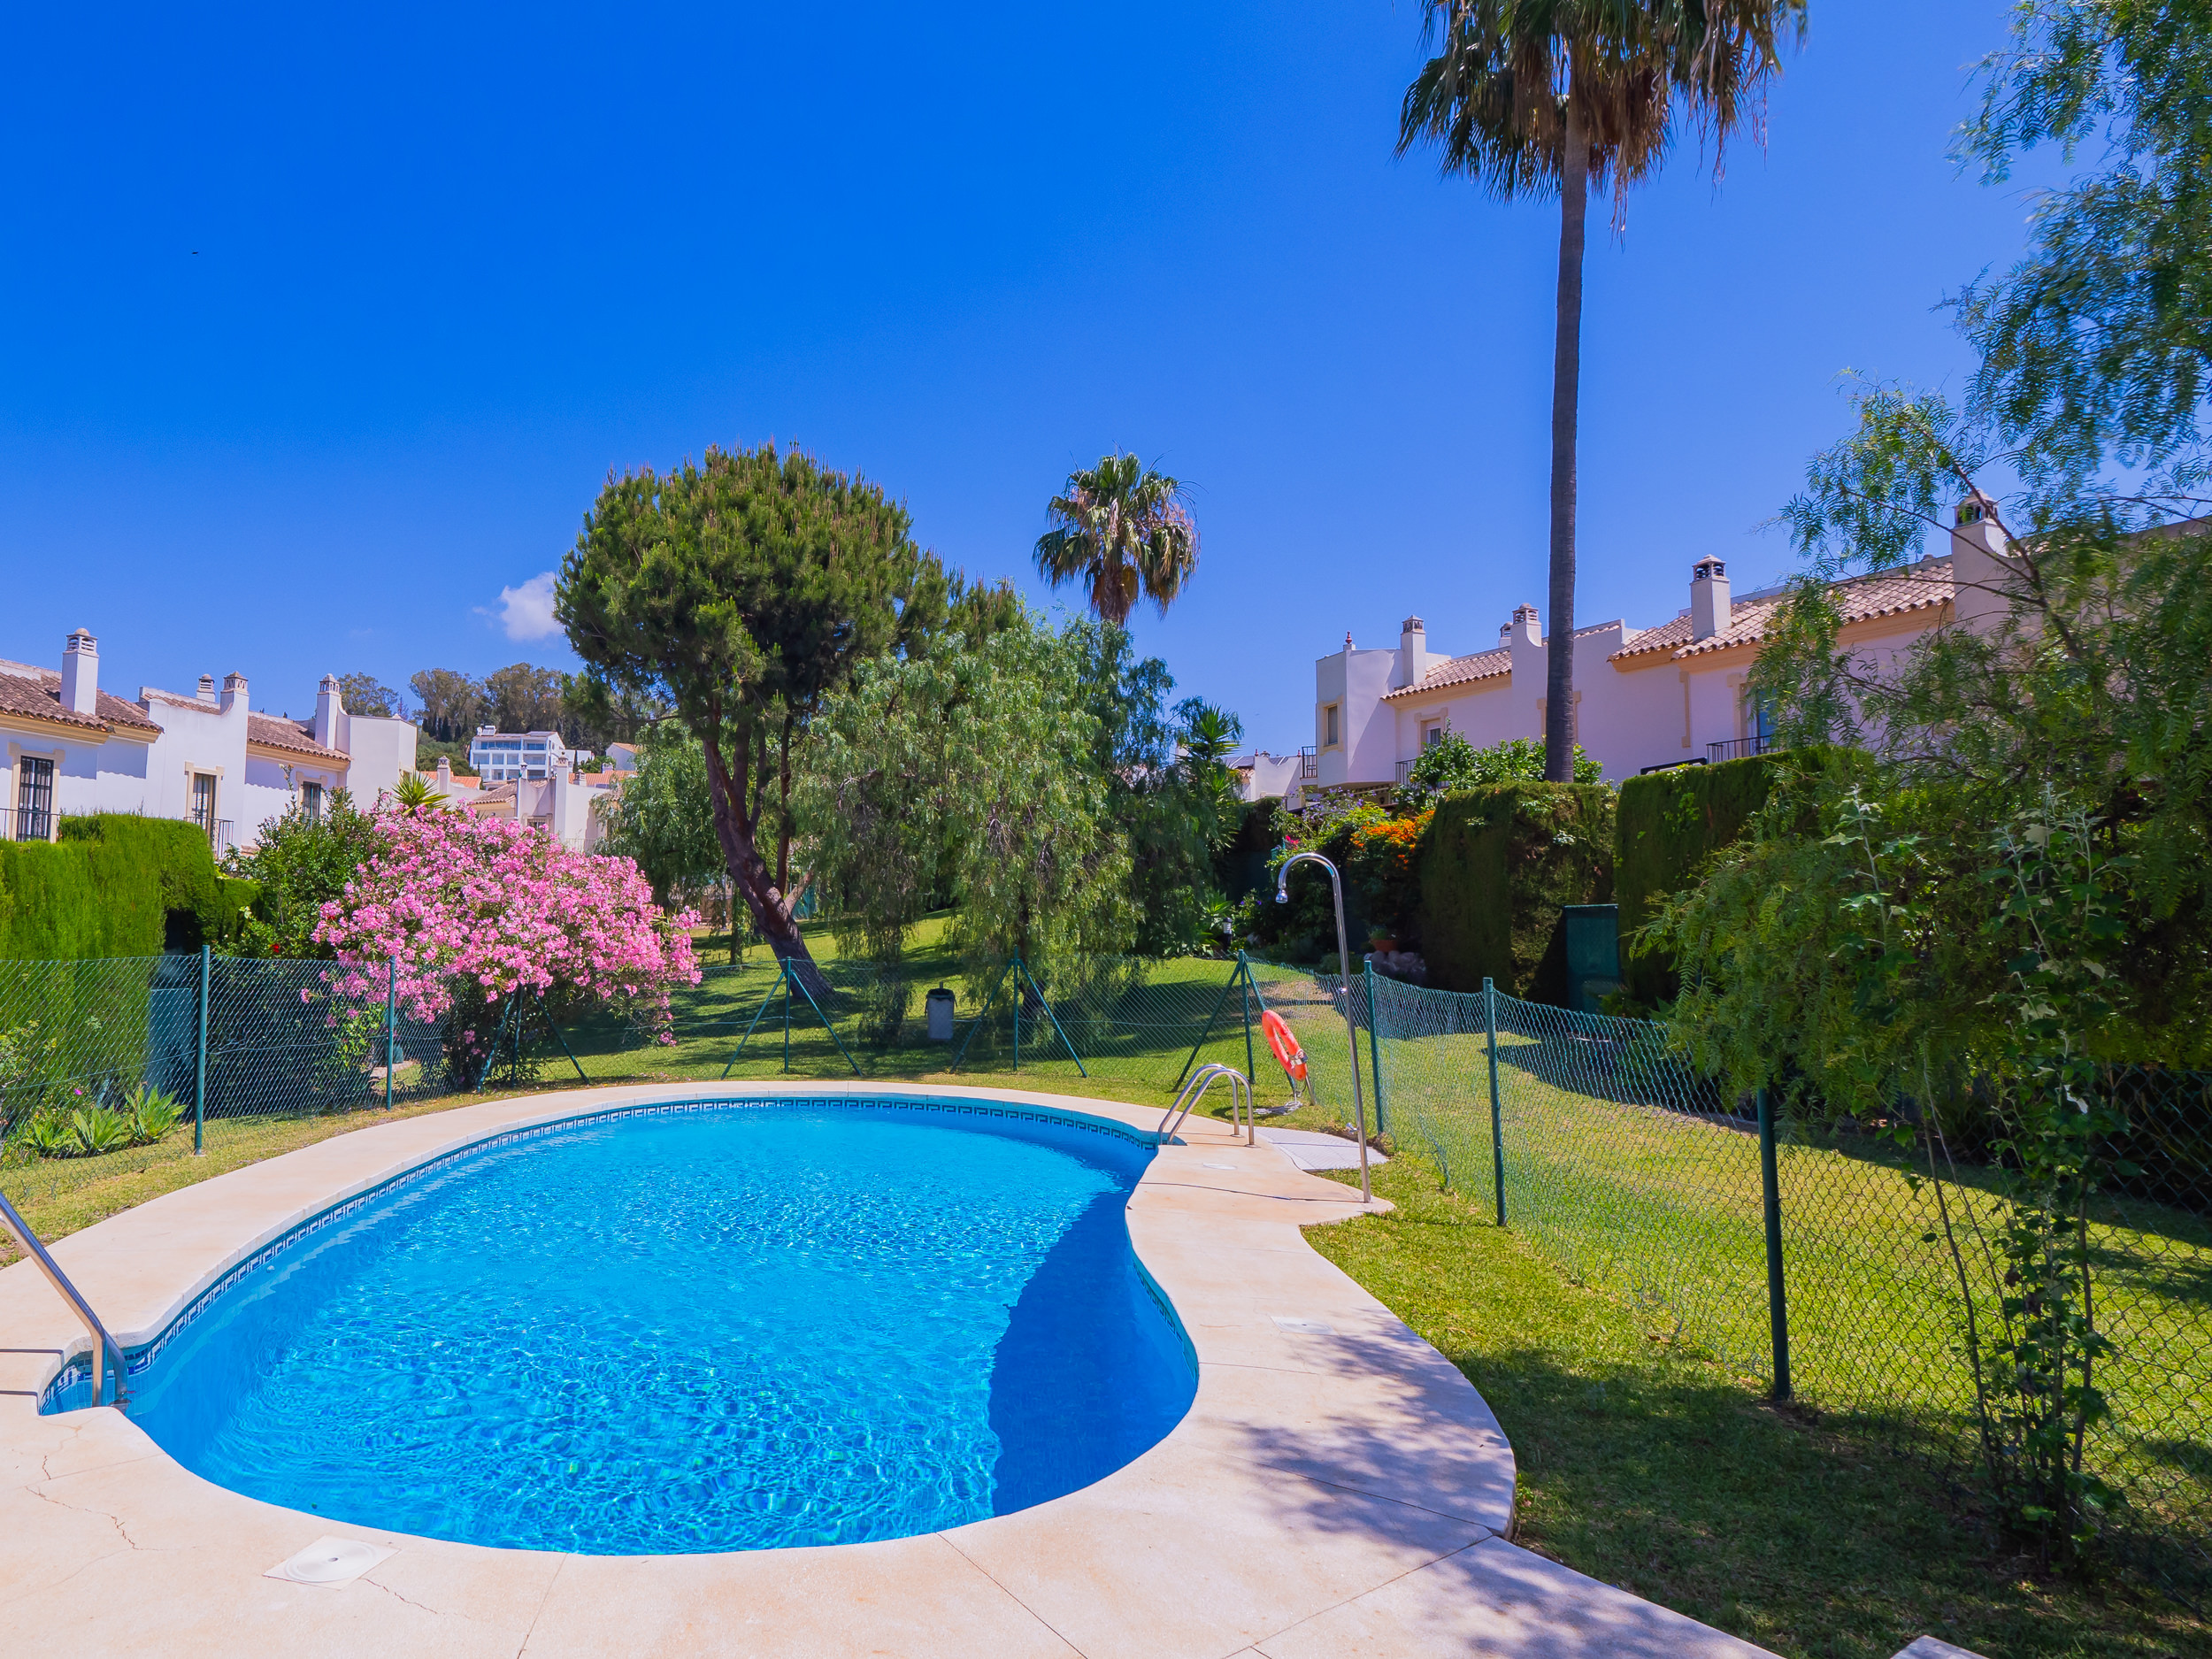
x=476 y=911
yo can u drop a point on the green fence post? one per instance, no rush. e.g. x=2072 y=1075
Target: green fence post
x=1497 y=1118
x=1374 y=1052
x=391 y=1026
x=199 y=1084
x=1045 y=1002
x=786 y=1015
x=1021 y=974
x=1251 y=1066
x=1777 y=1307
x=1208 y=1030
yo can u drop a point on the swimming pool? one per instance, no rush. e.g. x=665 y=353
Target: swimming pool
x=741 y=1326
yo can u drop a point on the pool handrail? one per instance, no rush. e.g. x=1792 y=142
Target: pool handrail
x=101 y=1341
x=1194 y=1091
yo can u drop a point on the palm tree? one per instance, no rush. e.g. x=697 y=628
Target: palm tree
x=1538 y=97
x=1123 y=528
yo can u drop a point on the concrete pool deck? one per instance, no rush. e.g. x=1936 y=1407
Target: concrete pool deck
x=1338 y=1488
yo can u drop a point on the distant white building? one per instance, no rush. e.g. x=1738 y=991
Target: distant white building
x=567 y=806
x=1644 y=697
x=72 y=748
x=1260 y=774
x=501 y=756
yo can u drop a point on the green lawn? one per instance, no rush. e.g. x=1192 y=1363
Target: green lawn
x=1663 y=1209
x=1649 y=1465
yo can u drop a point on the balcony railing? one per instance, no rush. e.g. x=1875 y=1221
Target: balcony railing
x=1740 y=748
x=26 y=824
x=219 y=835
x=1308 y=762
x=1405 y=770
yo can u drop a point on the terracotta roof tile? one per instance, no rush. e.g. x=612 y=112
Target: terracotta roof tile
x=293 y=737
x=1461 y=671
x=34 y=692
x=1921 y=587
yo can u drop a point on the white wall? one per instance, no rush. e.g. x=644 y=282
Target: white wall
x=93 y=772
x=1268 y=775
x=382 y=751
x=1357 y=680
x=197 y=736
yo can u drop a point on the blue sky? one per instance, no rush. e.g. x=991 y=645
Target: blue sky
x=322 y=330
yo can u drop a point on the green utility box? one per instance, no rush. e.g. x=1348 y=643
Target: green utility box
x=1593 y=954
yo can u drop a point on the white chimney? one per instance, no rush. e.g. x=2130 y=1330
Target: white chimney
x=234 y=691
x=80 y=674
x=1413 y=651
x=1981 y=566
x=329 y=709
x=1525 y=629
x=1710 y=612
x=207 y=687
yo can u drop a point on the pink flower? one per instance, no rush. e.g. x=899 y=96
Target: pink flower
x=456 y=898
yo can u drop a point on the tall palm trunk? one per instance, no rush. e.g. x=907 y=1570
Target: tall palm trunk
x=1566 y=374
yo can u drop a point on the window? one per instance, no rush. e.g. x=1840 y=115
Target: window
x=311 y=801
x=1758 y=725
x=1432 y=735
x=203 y=801
x=1328 y=737
x=33 y=799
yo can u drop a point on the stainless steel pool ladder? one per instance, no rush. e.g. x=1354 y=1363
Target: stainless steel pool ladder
x=101 y=1341
x=1194 y=1091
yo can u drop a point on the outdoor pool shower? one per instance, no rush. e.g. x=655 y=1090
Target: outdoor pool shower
x=1344 y=973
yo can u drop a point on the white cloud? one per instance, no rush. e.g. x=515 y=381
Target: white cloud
x=527 y=612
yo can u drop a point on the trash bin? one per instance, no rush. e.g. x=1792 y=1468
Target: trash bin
x=938 y=1005
x=1593 y=954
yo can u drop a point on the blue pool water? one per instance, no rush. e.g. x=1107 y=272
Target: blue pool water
x=743 y=1328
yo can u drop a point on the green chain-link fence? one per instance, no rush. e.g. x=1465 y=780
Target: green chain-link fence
x=1584 y=1135
x=1636 y=1176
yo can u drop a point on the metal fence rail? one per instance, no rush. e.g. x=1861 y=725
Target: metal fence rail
x=1791 y=1252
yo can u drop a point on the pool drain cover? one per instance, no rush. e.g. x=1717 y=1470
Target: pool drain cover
x=331 y=1562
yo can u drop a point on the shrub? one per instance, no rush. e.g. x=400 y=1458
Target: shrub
x=153 y=1114
x=477 y=910
x=1670 y=825
x=1452 y=763
x=115 y=885
x=1305 y=926
x=301 y=863
x=1497 y=868
x=1386 y=867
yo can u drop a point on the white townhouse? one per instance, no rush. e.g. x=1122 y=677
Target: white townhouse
x=72 y=748
x=1644 y=697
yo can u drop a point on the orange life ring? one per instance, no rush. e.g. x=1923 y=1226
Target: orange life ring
x=1287 y=1052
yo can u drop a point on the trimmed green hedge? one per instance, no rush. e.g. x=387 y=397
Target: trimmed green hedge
x=1671 y=822
x=1497 y=866
x=115 y=885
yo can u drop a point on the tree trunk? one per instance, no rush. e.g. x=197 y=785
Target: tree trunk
x=750 y=875
x=1566 y=374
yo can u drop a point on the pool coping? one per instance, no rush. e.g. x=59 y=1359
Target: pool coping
x=1338 y=1487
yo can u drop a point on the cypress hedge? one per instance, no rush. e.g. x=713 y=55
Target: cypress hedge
x=1497 y=867
x=116 y=884
x=1672 y=822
